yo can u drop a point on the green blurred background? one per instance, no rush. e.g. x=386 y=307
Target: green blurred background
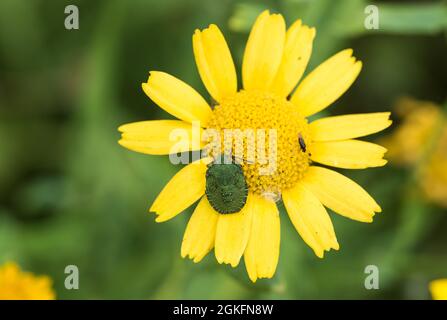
x=69 y=194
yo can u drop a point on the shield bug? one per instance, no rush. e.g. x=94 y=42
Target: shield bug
x=226 y=188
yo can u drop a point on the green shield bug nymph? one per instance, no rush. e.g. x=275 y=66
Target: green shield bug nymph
x=226 y=188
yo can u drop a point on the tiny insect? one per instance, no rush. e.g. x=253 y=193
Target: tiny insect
x=226 y=188
x=302 y=143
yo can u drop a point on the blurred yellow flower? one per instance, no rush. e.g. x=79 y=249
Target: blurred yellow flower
x=274 y=61
x=438 y=289
x=421 y=141
x=18 y=285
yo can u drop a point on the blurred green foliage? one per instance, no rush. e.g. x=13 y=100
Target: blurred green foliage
x=70 y=195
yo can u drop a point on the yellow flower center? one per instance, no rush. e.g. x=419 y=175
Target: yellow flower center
x=276 y=125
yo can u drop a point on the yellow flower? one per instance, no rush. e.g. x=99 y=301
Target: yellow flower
x=438 y=289
x=273 y=63
x=18 y=285
x=420 y=141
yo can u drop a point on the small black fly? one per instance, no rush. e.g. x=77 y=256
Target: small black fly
x=302 y=143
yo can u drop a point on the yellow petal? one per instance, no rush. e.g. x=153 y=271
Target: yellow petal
x=326 y=83
x=264 y=51
x=200 y=232
x=297 y=51
x=348 y=154
x=185 y=188
x=262 y=252
x=161 y=136
x=438 y=289
x=233 y=231
x=340 y=194
x=310 y=219
x=214 y=62
x=176 y=97
x=349 y=126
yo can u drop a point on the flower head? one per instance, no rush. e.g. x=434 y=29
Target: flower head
x=438 y=289
x=268 y=118
x=18 y=285
x=420 y=142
